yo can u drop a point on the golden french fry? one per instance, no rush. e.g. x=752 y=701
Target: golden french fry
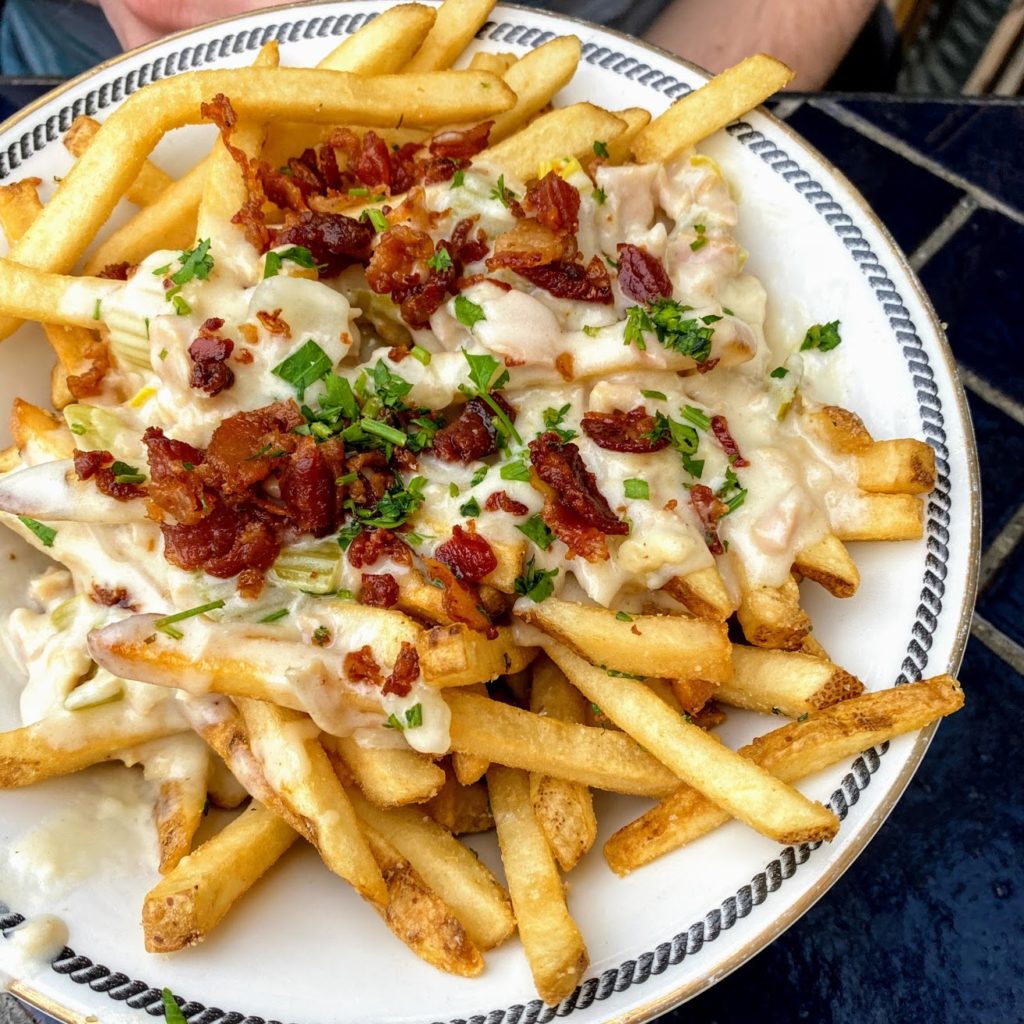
x=878 y=517
x=791 y=752
x=564 y=810
x=703 y=593
x=150 y=183
x=297 y=768
x=702 y=112
x=594 y=757
x=457 y=22
x=829 y=564
x=693 y=694
x=46 y=297
x=772 y=616
x=809 y=645
x=187 y=904
x=566 y=132
x=900 y=466
x=744 y=790
x=389 y=777
x=461 y=809
x=19 y=206
x=459 y=656
x=535 y=79
x=789 y=683
x=470 y=768
x=646 y=645
x=635 y=119
x=510 y=556
x=551 y=940
x=36 y=430
x=450 y=869
x=496 y=63
x=224 y=790
x=838 y=428
x=63 y=743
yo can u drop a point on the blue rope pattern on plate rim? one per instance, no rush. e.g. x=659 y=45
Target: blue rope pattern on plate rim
x=691 y=940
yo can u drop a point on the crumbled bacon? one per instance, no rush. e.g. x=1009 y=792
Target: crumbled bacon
x=373 y=164
x=565 y=365
x=399 y=260
x=465 y=249
x=373 y=477
x=85 y=384
x=209 y=353
x=499 y=501
x=561 y=467
x=361 y=667
x=334 y=240
x=579 y=537
x=247 y=447
x=111 y=596
x=370 y=546
x=708 y=365
x=224 y=542
x=467 y=554
x=273 y=323
x=720 y=428
x=531 y=244
x=308 y=491
x=117 y=271
x=95 y=465
x=709 y=510
x=460 y=601
x=250 y=584
x=554 y=202
x=175 y=488
x=641 y=275
x=379 y=590
x=619 y=431
x=573 y=280
x=473 y=434
x=397 y=353
x=461 y=145
x=405 y=672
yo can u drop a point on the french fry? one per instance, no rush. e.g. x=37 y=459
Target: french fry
x=50 y=298
x=901 y=466
x=647 y=645
x=496 y=63
x=69 y=741
x=510 y=557
x=772 y=616
x=461 y=809
x=598 y=758
x=470 y=768
x=551 y=940
x=457 y=22
x=789 y=683
x=535 y=79
x=147 y=187
x=188 y=903
x=837 y=428
x=19 y=206
x=459 y=656
x=635 y=119
x=744 y=790
x=791 y=752
x=809 y=645
x=450 y=869
x=38 y=432
x=702 y=112
x=568 y=131
x=703 y=593
x=693 y=694
x=295 y=765
x=389 y=777
x=564 y=810
x=829 y=564
x=878 y=517
x=224 y=790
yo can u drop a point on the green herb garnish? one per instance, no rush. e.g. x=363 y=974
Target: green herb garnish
x=536 y=529
x=468 y=312
x=634 y=488
x=166 y=624
x=536 y=584
x=304 y=366
x=46 y=534
x=823 y=337
x=471 y=509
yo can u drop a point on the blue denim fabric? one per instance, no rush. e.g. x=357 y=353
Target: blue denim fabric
x=53 y=37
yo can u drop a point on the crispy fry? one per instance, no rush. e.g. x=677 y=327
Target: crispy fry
x=647 y=645
x=594 y=757
x=829 y=564
x=791 y=752
x=496 y=63
x=748 y=793
x=459 y=656
x=36 y=431
x=838 y=428
x=702 y=112
x=703 y=593
x=878 y=517
x=470 y=768
x=224 y=790
x=551 y=940
x=453 y=872
x=564 y=810
x=461 y=809
x=457 y=22
x=52 y=298
x=635 y=119
x=901 y=466
x=187 y=904
x=789 y=683
x=388 y=777
x=693 y=694
x=772 y=616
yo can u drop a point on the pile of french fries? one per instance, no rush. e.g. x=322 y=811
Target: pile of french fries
x=594 y=700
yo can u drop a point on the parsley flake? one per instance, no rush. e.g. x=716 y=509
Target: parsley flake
x=536 y=530
x=297 y=254
x=471 y=509
x=601 y=149
x=502 y=193
x=172 y=1011
x=552 y=422
x=46 y=534
x=468 y=312
x=823 y=337
x=441 y=260
x=779 y=373
x=536 y=584
x=304 y=366
x=634 y=488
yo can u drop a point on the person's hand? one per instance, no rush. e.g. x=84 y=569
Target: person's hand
x=141 y=21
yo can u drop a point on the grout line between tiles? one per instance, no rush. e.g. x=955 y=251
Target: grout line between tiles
x=998 y=551
x=998 y=642
x=992 y=395
x=915 y=156
x=953 y=222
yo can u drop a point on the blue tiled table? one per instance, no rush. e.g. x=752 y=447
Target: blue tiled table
x=928 y=925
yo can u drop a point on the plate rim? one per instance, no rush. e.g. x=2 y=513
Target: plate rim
x=774 y=926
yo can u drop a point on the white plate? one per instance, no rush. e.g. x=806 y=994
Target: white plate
x=302 y=948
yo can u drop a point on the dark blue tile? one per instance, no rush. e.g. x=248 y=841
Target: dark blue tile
x=926 y=923
x=1001 y=456
x=974 y=282
x=982 y=141
x=1002 y=601
x=910 y=201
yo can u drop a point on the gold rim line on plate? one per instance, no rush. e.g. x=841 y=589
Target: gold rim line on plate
x=649 y=1010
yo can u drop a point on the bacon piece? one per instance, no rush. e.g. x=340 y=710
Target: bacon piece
x=361 y=667
x=273 y=323
x=373 y=165
x=175 y=488
x=641 y=275
x=467 y=554
x=209 y=353
x=379 y=590
x=561 y=467
x=531 y=244
x=370 y=546
x=473 y=434
x=572 y=280
x=579 y=537
x=95 y=465
x=308 y=491
x=709 y=510
x=465 y=249
x=224 y=542
x=247 y=447
x=334 y=240
x=399 y=261
x=250 y=584
x=85 y=384
x=708 y=365
x=461 y=145
x=373 y=477
x=405 y=672
x=117 y=271
x=499 y=501
x=460 y=601
x=619 y=431
x=554 y=202
x=720 y=428
x=282 y=189
x=255 y=545
x=111 y=596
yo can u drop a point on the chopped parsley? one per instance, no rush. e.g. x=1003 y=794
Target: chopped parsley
x=823 y=337
x=76 y=428
x=701 y=240
x=321 y=636
x=517 y=470
x=623 y=617
x=601 y=149
x=471 y=509
x=389 y=387
x=96 y=309
x=338 y=399
x=413 y=719
x=181 y=307
x=482 y=371
x=468 y=312
x=304 y=366
x=659 y=395
x=166 y=624
x=453 y=490
x=536 y=529
x=394 y=507
x=536 y=584
x=478 y=476
x=637 y=321
x=634 y=488
x=297 y=254
x=46 y=534
x=347 y=534
x=384 y=431
x=553 y=419
x=591 y=331
x=441 y=260
x=502 y=193
x=617 y=674
x=172 y=1011
x=683 y=438
x=458 y=179
x=274 y=616
x=698 y=417
x=779 y=372
x=195 y=264
x=732 y=492
x=599 y=196
x=125 y=474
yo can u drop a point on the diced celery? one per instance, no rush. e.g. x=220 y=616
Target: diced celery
x=129 y=339
x=315 y=569
x=98 y=427
x=67 y=611
x=103 y=688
